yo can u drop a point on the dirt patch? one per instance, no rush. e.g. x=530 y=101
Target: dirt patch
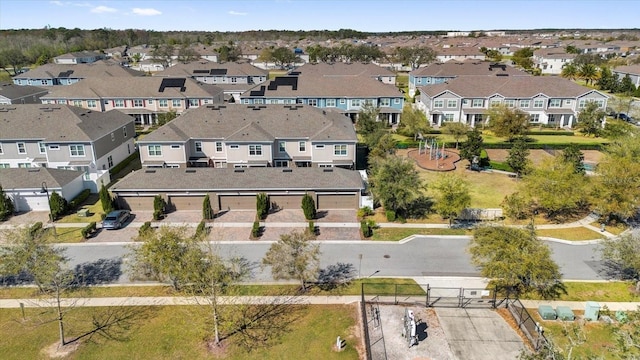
x=508 y=318
x=55 y=351
x=219 y=351
x=446 y=160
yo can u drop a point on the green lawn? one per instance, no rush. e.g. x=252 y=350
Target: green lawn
x=618 y=291
x=396 y=234
x=574 y=234
x=174 y=332
x=95 y=212
x=69 y=235
x=488 y=138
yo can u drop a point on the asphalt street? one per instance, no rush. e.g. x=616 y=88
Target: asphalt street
x=422 y=256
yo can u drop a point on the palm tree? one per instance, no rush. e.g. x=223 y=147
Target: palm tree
x=588 y=72
x=569 y=71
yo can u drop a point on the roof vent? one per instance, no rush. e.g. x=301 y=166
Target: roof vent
x=327 y=170
x=34 y=170
x=149 y=171
x=190 y=171
x=287 y=170
x=238 y=170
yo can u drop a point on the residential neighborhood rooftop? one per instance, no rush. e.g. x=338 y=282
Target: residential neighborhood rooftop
x=32 y=178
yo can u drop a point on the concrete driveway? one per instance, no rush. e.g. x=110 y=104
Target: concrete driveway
x=479 y=334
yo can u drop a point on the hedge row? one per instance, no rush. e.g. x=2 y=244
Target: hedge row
x=552 y=132
x=116 y=169
x=543 y=146
x=78 y=200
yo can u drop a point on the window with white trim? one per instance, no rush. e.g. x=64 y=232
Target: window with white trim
x=355 y=102
x=397 y=101
x=312 y=102
x=465 y=102
x=110 y=161
x=452 y=103
x=302 y=146
x=255 y=150
x=343 y=101
x=331 y=102
x=155 y=150
x=22 y=148
x=4 y=166
x=340 y=150
x=92 y=103
x=281 y=146
x=525 y=103
x=495 y=102
x=567 y=102
x=41 y=147
x=85 y=171
x=281 y=163
x=24 y=165
x=198 y=145
x=176 y=102
x=163 y=103
x=150 y=101
x=218 y=146
x=194 y=102
x=448 y=117
x=76 y=150
x=510 y=103
x=118 y=103
x=534 y=118
x=555 y=103
x=77 y=103
x=538 y=103
x=385 y=102
x=138 y=103
x=477 y=103
x=438 y=103
x=62 y=102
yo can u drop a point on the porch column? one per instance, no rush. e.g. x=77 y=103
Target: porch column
x=562 y=120
x=571 y=121
x=473 y=121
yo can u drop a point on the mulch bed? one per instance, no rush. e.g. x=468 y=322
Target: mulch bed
x=446 y=164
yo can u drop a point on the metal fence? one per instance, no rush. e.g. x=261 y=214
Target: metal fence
x=372 y=325
x=527 y=324
x=425 y=295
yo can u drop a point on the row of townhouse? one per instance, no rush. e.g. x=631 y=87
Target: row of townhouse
x=65 y=137
x=340 y=86
x=141 y=97
x=438 y=73
x=548 y=100
x=633 y=71
x=252 y=136
x=551 y=61
x=53 y=74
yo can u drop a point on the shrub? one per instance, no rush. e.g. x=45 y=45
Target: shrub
x=255 y=230
x=367 y=231
x=159 y=206
x=308 y=207
x=105 y=200
x=312 y=228
x=262 y=205
x=78 y=200
x=391 y=215
x=365 y=211
x=201 y=230
x=58 y=205
x=6 y=206
x=88 y=230
x=207 y=211
x=144 y=228
x=35 y=229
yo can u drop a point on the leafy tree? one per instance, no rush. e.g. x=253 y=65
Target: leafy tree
x=472 y=148
x=516 y=259
x=508 y=122
x=414 y=122
x=164 y=255
x=395 y=182
x=207 y=211
x=590 y=119
x=456 y=130
x=555 y=187
x=163 y=55
x=573 y=156
x=607 y=80
x=58 y=205
x=105 y=199
x=308 y=207
x=617 y=188
x=591 y=58
x=620 y=104
x=14 y=58
x=588 y=72
x=166 y=117
x=186 y=54
x=517 y=206
x=229 y=52
x=626 y=85
x=518 y=157
x=615 y=129
x=453 y=196
x=522 y=58
x=294 y=256
x=570 y=49
x=6 y=205
x=385 y=146
x=569 y=71
x=414 y=56
x=624 y=254
x=283 y=56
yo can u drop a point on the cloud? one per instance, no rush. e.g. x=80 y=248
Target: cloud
x=146 y=12
x=237 y=13
x=103 y=9
x=59 y=3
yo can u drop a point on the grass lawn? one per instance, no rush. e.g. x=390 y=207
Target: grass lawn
x=95 y=212
x=174 y=332
x=618 y=291
x=615 y=229
x=69 y=235
x=274 y=73
x=396 y=234
x=574 y=234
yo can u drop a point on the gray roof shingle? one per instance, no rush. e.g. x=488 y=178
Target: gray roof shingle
x=32 y=178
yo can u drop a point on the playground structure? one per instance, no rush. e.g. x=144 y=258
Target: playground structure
x=432 y=155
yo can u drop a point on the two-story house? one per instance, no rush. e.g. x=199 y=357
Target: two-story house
x=142 y=97
x=551 y=61
x=548 y=100
x=252 y=136
x=14 y=94
x=633 y=71
x=65 y=137
x=81 y=57
x=65 y=74
x=346 y=92
x=438 y=73
x=233 y=77
x=459 y=54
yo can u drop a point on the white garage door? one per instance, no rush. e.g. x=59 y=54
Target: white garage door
x=30 y=202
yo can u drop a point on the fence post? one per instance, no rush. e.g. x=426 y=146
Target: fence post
x=428 y=295
x=395 y=295
x=461 y=297
x=495 y=296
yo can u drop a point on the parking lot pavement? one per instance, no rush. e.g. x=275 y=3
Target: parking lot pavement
x=479 y=334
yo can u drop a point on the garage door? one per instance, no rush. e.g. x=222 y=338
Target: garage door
x=186 y=202
x=238 y=202
x=25 y=203
x=136 y=203
x=336 y=201
x=286 y=201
